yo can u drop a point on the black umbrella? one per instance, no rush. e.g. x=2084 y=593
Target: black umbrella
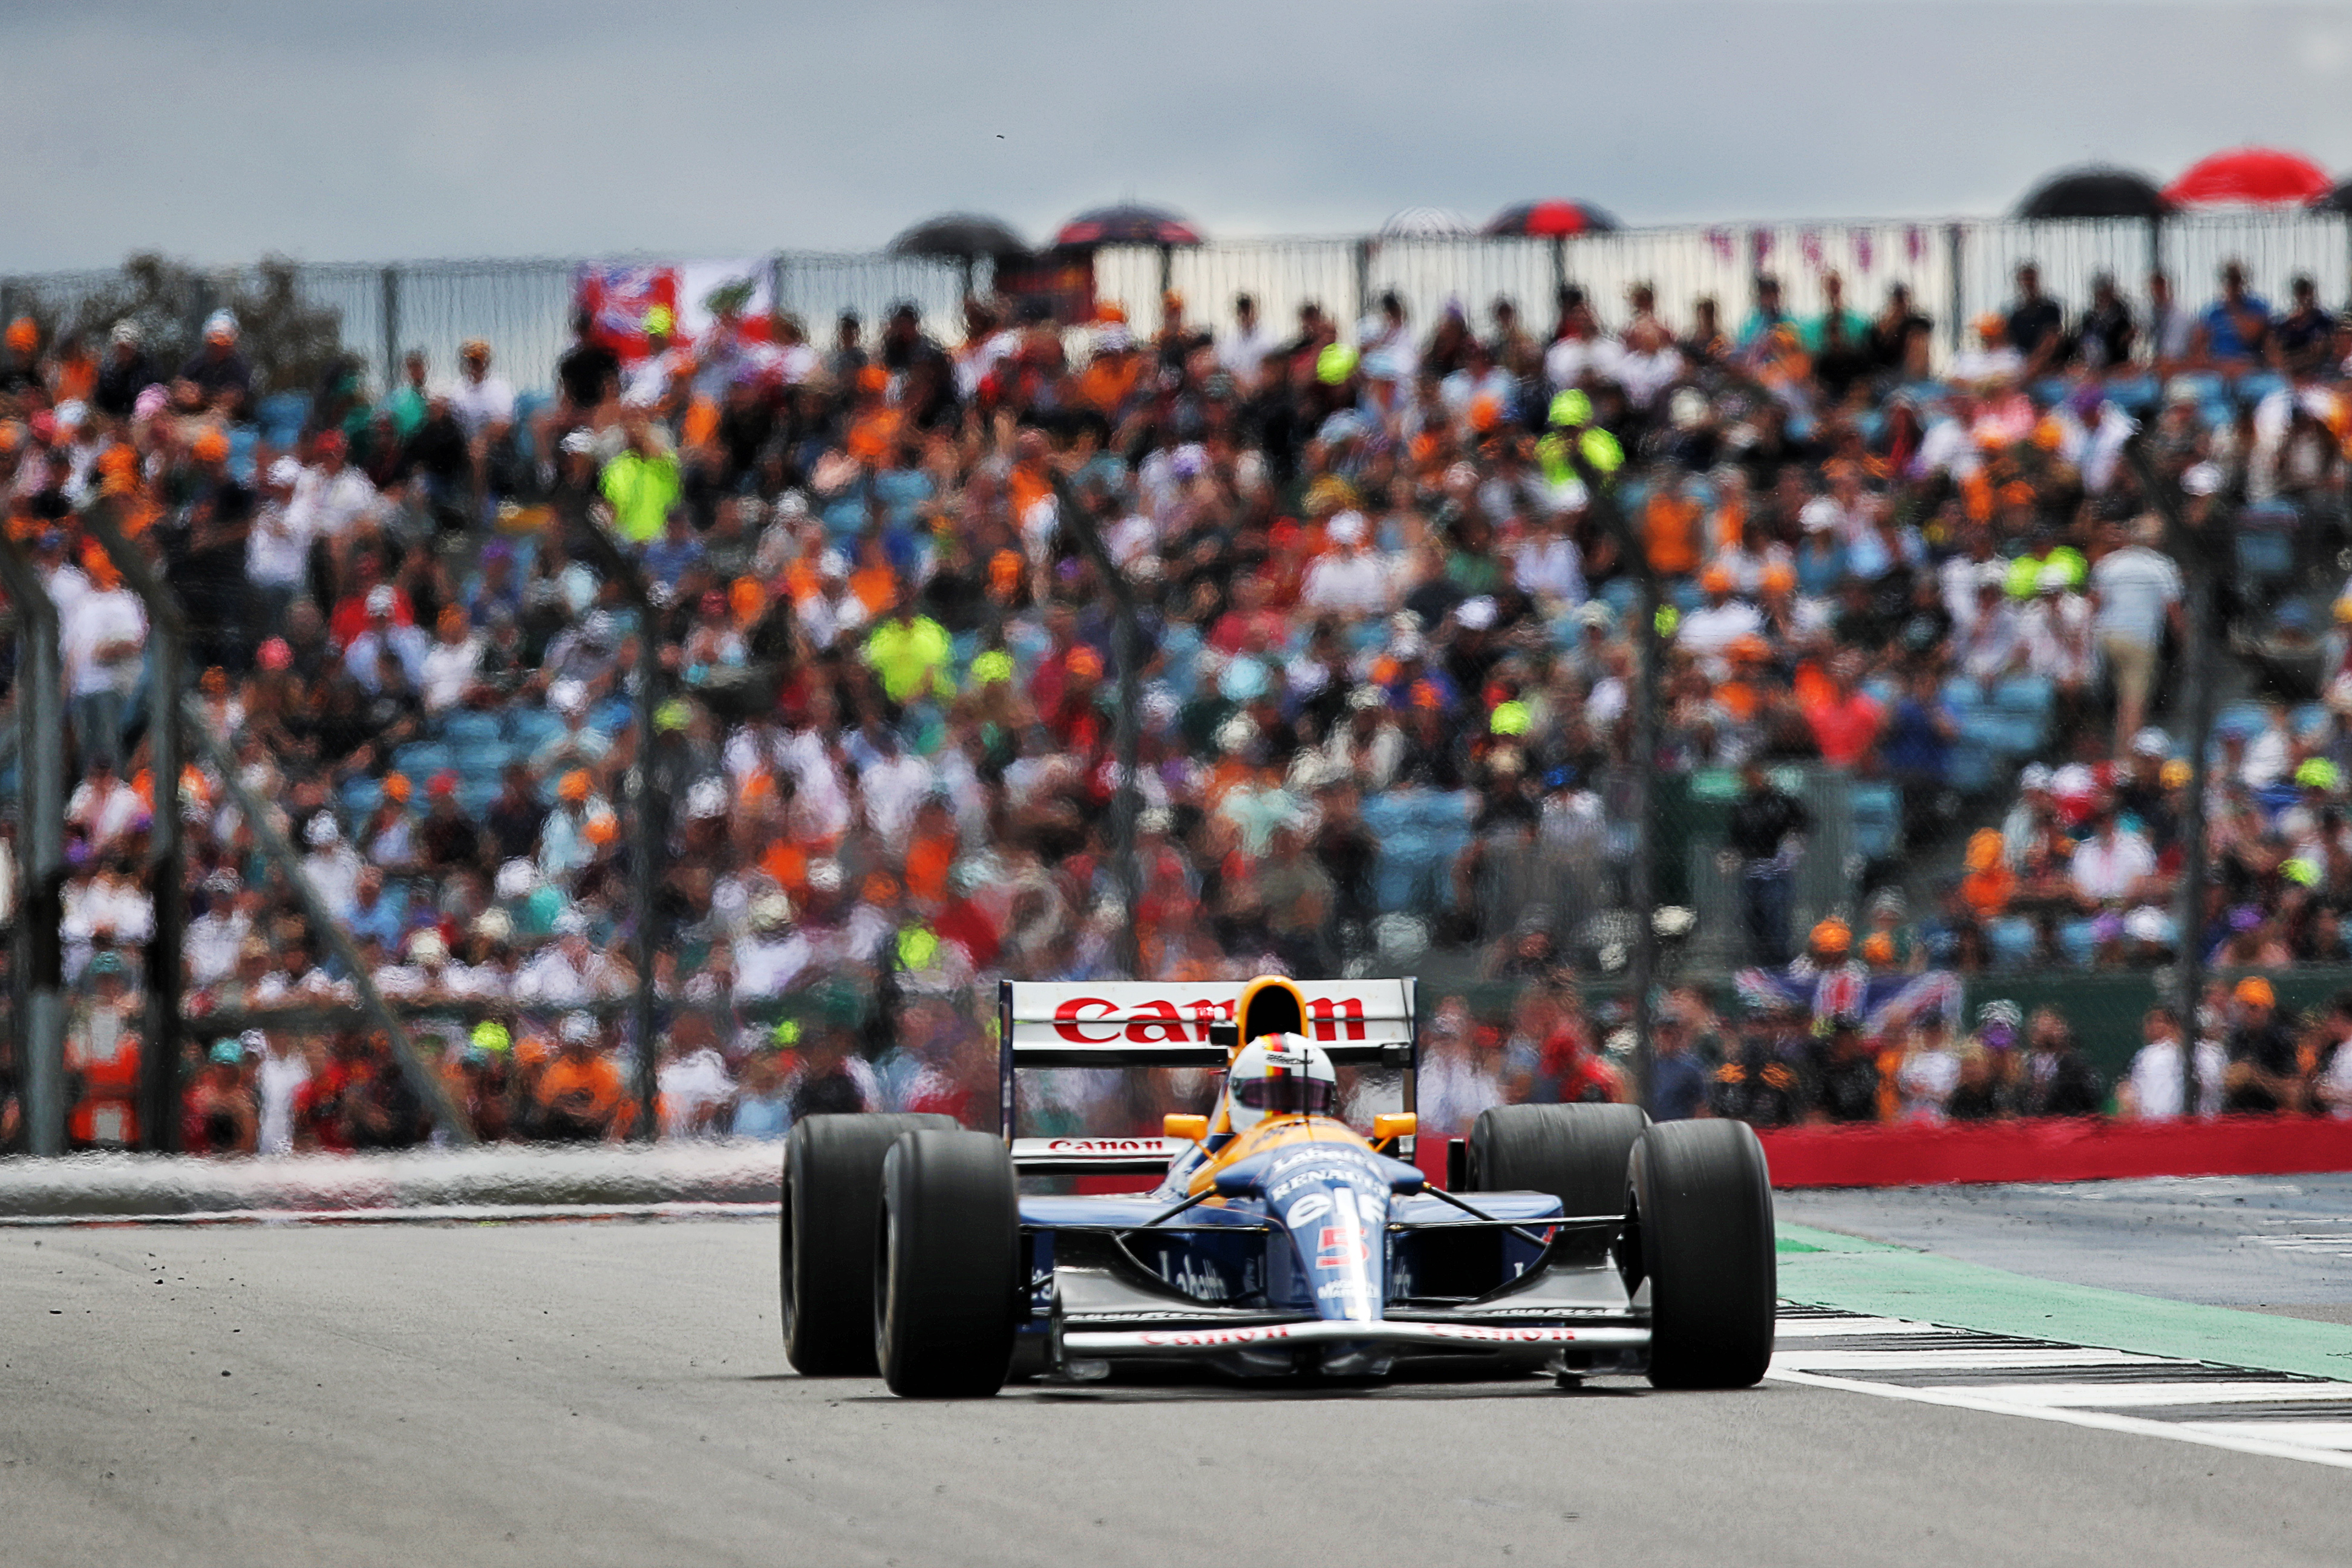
x=1128 y=224
x=2097 y=190
x=961 y=237
x=2337 y=201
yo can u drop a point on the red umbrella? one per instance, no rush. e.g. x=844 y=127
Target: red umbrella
x=1545 y=220
x=2263 y=176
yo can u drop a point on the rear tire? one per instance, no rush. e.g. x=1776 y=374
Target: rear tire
x=1703 y=1202
x=947 y=1281
x=1578 y=1153
x=833 y=1199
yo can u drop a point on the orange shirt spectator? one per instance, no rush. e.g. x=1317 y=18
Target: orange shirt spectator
x=1670 y=534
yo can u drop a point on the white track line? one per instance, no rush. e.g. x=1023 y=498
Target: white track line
x=2098 y=1420
x=2004 y=1360
x=1839 y=1327
x=2124 y=1395
x=2308 y=1434
x=411 y=1214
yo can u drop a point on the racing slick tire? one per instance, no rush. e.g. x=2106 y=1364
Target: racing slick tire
x=1579 y=1154
x=832 y=1203
x=1702 y=1205
x=947 y=1266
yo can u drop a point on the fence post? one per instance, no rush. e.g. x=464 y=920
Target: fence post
x=1127 y=733
x=159 y=1066
x=1641 y=874
x=1363 y=257
x=1956 y=259
x=647 y=801
x=41 y=807
x=390 y=284
x=2193 y=549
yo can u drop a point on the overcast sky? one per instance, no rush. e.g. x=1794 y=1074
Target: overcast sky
x=354 y=129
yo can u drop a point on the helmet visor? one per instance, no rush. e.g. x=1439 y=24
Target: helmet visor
x=1286 y=1094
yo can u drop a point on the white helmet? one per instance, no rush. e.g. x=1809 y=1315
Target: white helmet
x=1279 y=1075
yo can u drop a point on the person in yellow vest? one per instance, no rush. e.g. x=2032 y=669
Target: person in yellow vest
x=640 y=484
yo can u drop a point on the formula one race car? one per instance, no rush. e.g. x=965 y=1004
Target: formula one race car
x=1577 y=1239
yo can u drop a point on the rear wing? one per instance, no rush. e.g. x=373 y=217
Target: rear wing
x=1188 y=1024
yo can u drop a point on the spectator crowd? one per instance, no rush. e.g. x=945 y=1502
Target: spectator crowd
x=1386 y=698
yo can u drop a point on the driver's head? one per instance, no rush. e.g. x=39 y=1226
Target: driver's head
x=1280 y=1075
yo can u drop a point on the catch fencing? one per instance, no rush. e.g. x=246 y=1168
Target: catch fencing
x=1957 y=270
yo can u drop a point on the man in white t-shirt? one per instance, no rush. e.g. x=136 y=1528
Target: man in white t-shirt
x=102 y=636
x=2152 y=1090
x=1242 y=351
x=1348 y=579
x=2334 y=1085
x=2109 y=866
x=484 y=404
x=329 y=497
x=278 y=547
x=280 y=1078
x=1715 y=626
x=2135 y=592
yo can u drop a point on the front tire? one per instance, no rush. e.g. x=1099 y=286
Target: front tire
x=833 y=1199
x=1578 y=1153
x=1703 y=1200
x=948 y=1282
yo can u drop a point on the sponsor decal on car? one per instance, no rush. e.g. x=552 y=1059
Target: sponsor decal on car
x=1211 y=1337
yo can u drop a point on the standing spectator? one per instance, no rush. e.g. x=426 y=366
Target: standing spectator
x=216 y=375
x=1846 y=721
x=2264 y=1071
x=2054 y=1080
x=1845 y=1077
x=2135 y=594
x=2236 y=330
x=1766 y=834
x=2153 y=1088
x=216 y=1112
x=2300 y=341
x=1677 y=1079
x=102 y=636
x=2104 y=336
x=2036 y=323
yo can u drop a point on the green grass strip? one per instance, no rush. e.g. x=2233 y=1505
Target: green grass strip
x=1820 y=1268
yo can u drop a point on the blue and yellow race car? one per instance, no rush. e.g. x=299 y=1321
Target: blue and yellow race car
x=1279 y=1241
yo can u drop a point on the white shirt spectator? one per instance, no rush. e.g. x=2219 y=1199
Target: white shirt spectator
x=1569 y=360
x=2056 y=628
x=2134 y=587
x=479 y=405
x=1242 y=351
x=1706 y=631
x=325 y=505
x=280 y=1078
x=1550 y=567
x=1349 y=582
x=101 y=636
x=2106 y=868
x=278 y=549
x=894 y=786
x=690 y=1087
x=105 y=812
x=2155 y=1078
x=448 y=672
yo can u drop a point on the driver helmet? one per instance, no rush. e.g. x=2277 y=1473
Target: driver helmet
x=1280 y=1075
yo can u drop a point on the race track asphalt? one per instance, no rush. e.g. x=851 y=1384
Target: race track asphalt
x=616 y=1393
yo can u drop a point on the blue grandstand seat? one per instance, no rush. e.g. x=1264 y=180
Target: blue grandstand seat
x=532 y=728
x=464 y=726
x=420 y=759
x=2078 y=941
x=281 y=415
x=2013 y=941
x=2031 y=694
x=1971 y=770
x=361 y=796
x=1878 y=811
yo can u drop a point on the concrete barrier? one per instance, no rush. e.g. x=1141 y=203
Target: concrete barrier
x=600 y=1177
